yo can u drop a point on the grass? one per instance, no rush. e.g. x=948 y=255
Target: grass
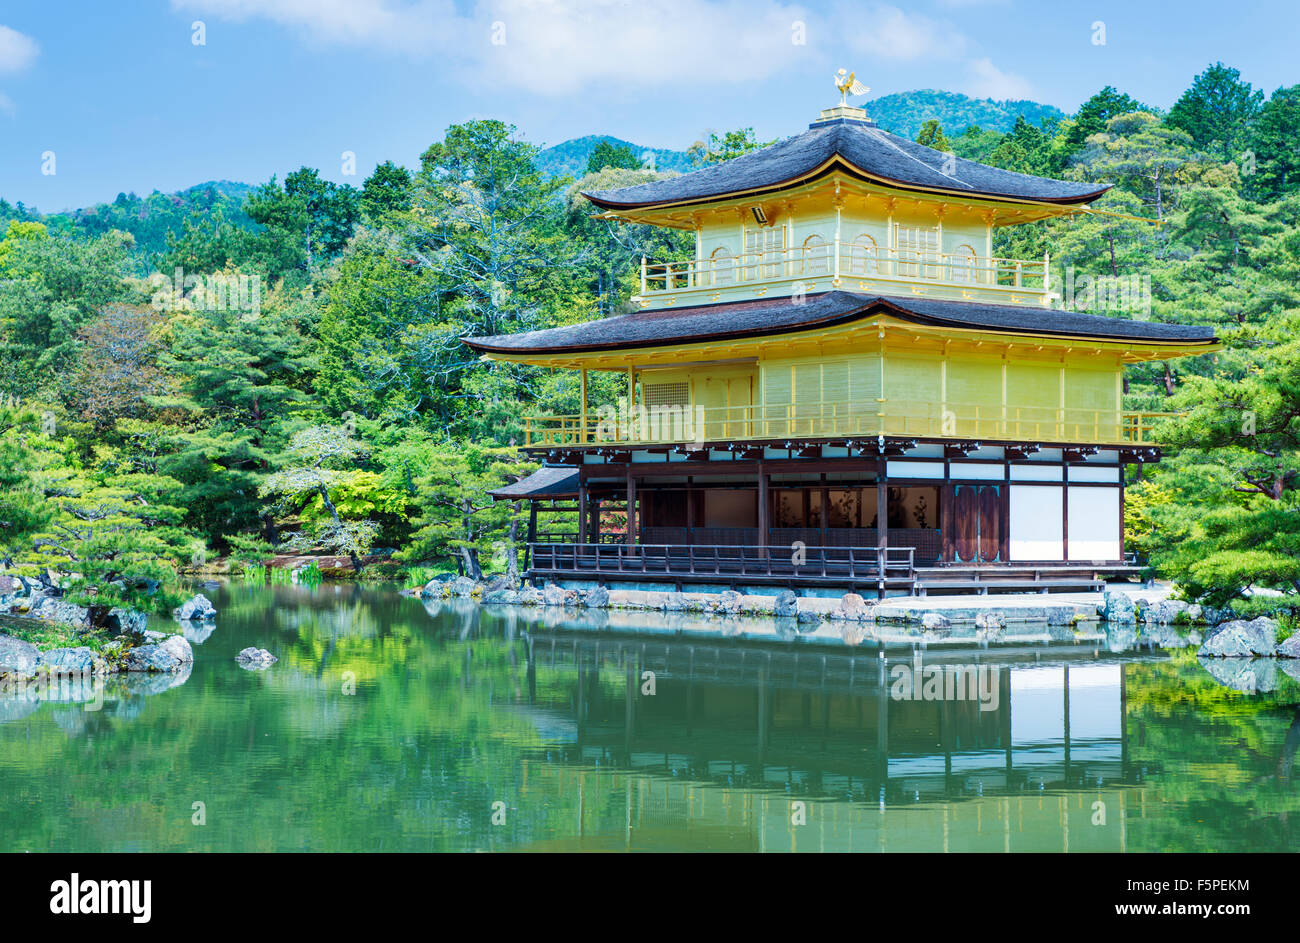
x=46 y=635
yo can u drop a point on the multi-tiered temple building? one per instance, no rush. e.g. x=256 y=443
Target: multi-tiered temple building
x=844 y=388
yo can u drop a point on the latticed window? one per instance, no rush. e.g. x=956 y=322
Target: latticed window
x=666 y=394
x=962 y=264
x=816 y=260
x=916 y=245
x=722 y=267
x=863 y=258
x=765 y=247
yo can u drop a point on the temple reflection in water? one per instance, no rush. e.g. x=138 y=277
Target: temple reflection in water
x=734 y=737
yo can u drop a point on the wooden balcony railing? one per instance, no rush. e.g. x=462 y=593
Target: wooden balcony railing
x=710 y=562
x=683 y=424
x=951 y=268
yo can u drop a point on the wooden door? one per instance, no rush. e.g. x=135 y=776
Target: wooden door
x=976 y=523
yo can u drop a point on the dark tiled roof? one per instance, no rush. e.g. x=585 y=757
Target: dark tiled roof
x=656 y=327
x=549 y=481
x=863 y=146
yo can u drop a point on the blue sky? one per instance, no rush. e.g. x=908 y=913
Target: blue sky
x=126 y=100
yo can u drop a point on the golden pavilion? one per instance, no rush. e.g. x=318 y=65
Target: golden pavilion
x=844 y=389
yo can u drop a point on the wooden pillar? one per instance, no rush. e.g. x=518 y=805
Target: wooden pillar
x=631 y=505
x=764 y=510
x=582 y=512
x=882 y=506
x=532 y=534
x=633 y=421
x=593 y=532
x=690 y=510
x=825 y=513
x=582 y=432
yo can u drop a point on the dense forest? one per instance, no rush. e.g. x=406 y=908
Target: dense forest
x=281 y=369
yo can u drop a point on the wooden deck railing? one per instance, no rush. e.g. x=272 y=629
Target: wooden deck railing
x=710 y=562
x=811 y=262
x=859 y=418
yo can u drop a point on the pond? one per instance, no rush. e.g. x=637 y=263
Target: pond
x=390 y=724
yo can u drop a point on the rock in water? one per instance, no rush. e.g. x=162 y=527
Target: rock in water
x=853 y=608
x=1164 y=612
x=933 y=622
x=171 y=654
x=18 y=659
x=990 y=626
x=1290 y=648
x=553 y=596
x=1241 y=639
x=255 y=659
x=463 y=586
x=597 y=598
x=198 y=609
x=786 y=604
x=1117 y=607
x=730 y=602
x=127 y=621
x=72 y=661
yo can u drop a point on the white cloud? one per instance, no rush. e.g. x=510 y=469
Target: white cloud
x=553 y=47
x=390 y=25
x=988 y=81
x=17 y=51
x=886 y=32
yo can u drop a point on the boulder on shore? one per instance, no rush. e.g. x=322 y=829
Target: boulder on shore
x=852 y=608
x=730 y=602
x=72 y=661
x=1117 y=607
x=786 y=604
x=464 y=587
x=171 y=654
x=18 y=659
x=1241 y=639
x=1290 y=648
x=597 y=598
x=127 y=621
x=990 y=626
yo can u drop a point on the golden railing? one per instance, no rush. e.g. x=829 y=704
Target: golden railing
x=683 y=425
x=952 y=268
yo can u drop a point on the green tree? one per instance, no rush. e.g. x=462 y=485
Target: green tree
x=931 y=135
x=606 y=154
x=1217 y=110
x=319 y=464
x=1275 y=146
x=459 y=518
x=385 y=192
x=1234 y=519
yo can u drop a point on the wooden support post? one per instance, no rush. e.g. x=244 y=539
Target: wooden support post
x=582 y=432
x=633 y=424
x=631 y=506
x=582 y=512
x=763 y=510
x=882 y=523
x=532 y=533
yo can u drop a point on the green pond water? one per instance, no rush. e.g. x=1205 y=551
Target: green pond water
x=390 y=724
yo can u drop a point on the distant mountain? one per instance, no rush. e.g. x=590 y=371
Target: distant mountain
x=571 y=156
x=904 y=113
x=149 y=219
